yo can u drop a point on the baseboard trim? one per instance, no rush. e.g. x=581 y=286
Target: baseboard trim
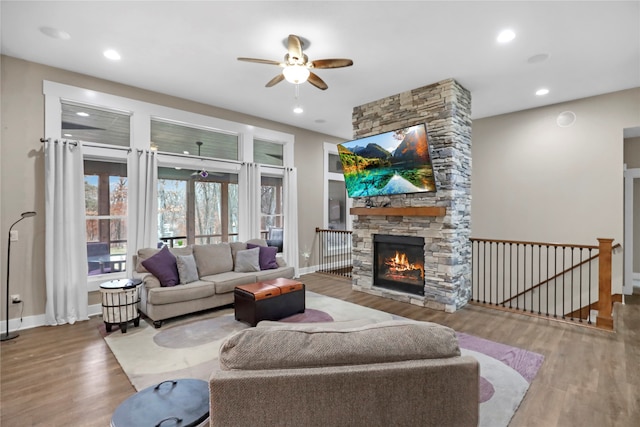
x=35 y=321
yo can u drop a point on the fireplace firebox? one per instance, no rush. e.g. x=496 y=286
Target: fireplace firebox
x=398 y=263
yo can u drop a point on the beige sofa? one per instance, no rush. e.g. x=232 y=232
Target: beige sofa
x=393 y=373
x=214 y=285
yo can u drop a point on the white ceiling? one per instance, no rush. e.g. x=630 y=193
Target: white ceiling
x=189 y=50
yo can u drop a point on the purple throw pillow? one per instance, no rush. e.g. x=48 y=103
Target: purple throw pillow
x=267 y=256
x=163 y=265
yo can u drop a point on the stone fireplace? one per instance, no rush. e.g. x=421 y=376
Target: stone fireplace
x=440 y=221
x=398 y=263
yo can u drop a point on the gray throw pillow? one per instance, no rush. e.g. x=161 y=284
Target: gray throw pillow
x=187 y=269
x=247 y=260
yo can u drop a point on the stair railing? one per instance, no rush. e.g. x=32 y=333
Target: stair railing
x=334 y=252
x=556 y=281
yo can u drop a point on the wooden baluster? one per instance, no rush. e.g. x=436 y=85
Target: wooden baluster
x=604 y=319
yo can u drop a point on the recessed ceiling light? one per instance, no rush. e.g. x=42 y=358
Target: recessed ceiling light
x=111 y=54
x=67 y=134
x=54 y=33
x=82 y=114
x=542 y=92
x=185 y=152
x=541 y=57
x=506 y=36
x=298 y=109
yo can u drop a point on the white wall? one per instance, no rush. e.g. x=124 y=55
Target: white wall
x=535 y=181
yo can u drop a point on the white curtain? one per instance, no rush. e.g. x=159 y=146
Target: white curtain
x=65 y=235
x=290 y=199
x=143 y=202
x=250 y=208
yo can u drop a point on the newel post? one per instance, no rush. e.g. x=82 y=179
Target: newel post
x=605 y=305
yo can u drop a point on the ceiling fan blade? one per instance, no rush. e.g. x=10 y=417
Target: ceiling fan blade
x=274 y=81
x=331 y=63
x=295 y=47
x=317 y=81
x=262 y=61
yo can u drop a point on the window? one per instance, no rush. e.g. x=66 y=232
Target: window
x=267 y=153
x=337 y=203
x=190 y=210
x=334 y=165
x=174 y=138
x=195 y=209
x=85 y=123
x=106 y=189
x=271 y=209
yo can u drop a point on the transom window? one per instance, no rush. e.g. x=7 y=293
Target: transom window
x=267 y=152
x=170 y=137
x=85 y=123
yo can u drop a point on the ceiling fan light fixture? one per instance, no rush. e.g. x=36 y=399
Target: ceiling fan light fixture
x=296 y=74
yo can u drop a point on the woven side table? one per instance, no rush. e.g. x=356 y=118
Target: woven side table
x=120 y=303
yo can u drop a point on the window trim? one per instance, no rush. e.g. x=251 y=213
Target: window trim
x=330 y=148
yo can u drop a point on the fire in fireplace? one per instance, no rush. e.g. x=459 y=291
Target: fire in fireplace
x=399 y=263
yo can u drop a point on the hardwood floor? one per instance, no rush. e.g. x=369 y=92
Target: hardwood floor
x=67 y=376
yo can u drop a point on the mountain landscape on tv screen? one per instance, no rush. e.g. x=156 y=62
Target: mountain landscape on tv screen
x=396 y=162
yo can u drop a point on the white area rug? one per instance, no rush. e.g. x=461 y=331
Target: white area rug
x=187 y=347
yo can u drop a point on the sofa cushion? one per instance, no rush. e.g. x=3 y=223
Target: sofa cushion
x=247 y=261
x=226 y=282
x=163 y=266
x=193 y=291
x=213 y=259
x=187 y=269
x=267 y=256
x=146 y=253
x=309 y=346
x=286 y=272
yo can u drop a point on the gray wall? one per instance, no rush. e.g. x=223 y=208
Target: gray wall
x=22 y=167
x=533 y=180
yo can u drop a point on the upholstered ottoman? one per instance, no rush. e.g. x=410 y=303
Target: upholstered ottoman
x=268 y=300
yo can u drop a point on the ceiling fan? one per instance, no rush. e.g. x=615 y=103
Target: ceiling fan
x=202 y=173
x=297 y=67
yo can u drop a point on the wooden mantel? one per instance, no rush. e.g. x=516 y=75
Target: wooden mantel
x=406 y=211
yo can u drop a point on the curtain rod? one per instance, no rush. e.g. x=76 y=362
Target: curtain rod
x=75 y=143
x=64 y=141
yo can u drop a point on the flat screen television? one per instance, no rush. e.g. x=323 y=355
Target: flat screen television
x=395 y=162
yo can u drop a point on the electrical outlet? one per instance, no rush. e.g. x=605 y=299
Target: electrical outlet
x=14 y=235
x=15 y=298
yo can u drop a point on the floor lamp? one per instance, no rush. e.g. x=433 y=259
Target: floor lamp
x=8 y=336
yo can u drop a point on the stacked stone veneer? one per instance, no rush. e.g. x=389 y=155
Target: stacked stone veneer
x=445 y=107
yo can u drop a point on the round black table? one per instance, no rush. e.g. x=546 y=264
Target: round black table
x=183 y=402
